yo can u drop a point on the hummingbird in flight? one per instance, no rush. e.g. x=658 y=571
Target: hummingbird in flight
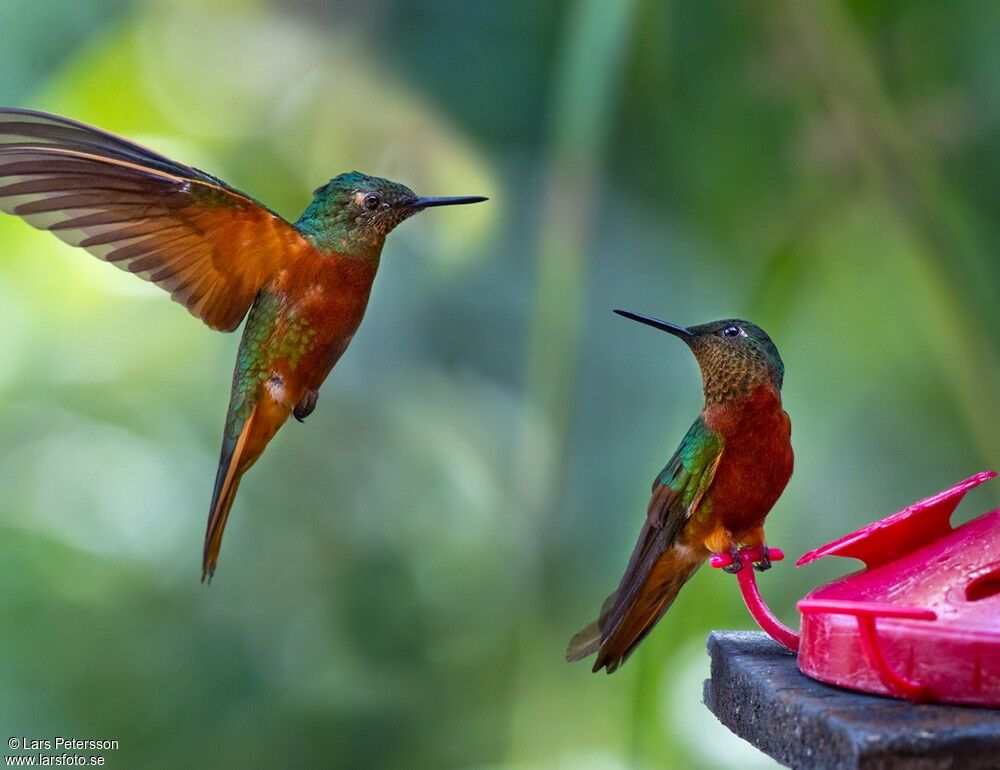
x=713 y=494
x=303 y=286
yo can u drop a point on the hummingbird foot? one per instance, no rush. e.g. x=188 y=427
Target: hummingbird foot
x=728 y=561
x=764 y=562
x=305 y=407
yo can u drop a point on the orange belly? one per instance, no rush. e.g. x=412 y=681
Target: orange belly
x=327 y=300
x=755 y=466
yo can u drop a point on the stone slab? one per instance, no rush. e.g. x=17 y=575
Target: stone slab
x=758 y=692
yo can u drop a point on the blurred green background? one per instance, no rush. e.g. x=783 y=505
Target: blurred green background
x=401 y=574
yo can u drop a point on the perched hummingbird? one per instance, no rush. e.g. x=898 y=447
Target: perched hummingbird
x=220 y=253
x=715 y=491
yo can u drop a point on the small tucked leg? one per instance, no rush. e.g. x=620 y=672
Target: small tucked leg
x=720 y=542
x=757 y=539
x=305 y=407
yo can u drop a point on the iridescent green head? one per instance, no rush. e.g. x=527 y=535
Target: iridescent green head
x=735 y=356
x=354 y=212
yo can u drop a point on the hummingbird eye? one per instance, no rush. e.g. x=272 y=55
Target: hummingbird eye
x=733 y=331
x=371 y=202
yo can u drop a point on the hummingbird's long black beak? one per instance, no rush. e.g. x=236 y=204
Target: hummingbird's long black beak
x=426 y=203
x=656 y=323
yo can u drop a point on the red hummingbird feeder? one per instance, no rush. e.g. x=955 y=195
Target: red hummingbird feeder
x=921 y=621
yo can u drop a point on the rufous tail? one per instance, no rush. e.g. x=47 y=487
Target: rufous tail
x=628 y=615
x=237 y=456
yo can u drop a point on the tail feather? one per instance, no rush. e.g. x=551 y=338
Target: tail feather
x=638 y=621
x=620 y=628
x=235 y=460
x=587 y=640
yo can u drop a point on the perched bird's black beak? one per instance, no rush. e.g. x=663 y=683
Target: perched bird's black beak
x=677 y=331
x=425 y=203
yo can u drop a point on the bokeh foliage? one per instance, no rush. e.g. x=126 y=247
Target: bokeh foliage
x=402 y=572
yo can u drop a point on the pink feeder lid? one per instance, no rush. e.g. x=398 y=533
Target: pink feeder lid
x=922 y=620
x=902 y=532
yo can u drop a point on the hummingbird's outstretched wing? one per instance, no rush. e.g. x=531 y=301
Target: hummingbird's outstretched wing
x=209 y=245
x=653 y=577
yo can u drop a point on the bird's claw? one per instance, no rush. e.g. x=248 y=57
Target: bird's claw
x=733 y=561
x=764 y=562
x=728 y=561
